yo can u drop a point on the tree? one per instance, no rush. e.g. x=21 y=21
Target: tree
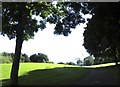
x=79 y=62
x=88 y=60
x=102 y=34
x=60 y=63
x=4 y=54
x=39 y=58
x=70 y=63
x=17 y=22
x=101 y=60
x=24 y=58
x=5 y=57
x=43 y=56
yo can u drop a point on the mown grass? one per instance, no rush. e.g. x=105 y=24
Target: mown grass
x=101 y=65
x=49 y=74
x=44 y=74
x=110 y=68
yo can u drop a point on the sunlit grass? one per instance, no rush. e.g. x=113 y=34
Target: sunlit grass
x=5 y=70
x=100 y=65
x=44 y=73
x=27 y=67
x=48 y=74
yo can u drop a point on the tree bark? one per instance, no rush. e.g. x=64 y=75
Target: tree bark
x=16 y=59
x=116 y=57
x=116 y=61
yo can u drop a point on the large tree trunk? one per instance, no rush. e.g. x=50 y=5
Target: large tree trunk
x=116 y=61
x=116 y=58
x=115 y=55
x=16 y=59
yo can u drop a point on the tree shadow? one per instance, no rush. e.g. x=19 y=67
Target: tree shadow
x=53 y=76
x=57 y=76
x=107 y=75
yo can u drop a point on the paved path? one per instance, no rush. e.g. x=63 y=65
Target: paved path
x=100 y=76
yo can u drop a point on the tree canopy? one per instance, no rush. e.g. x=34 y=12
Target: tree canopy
x=65 y=15
x=8 y=57
x=39 y=58
x=17 y=22
x=102 y=34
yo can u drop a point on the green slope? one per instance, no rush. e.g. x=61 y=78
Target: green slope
x=44 y=74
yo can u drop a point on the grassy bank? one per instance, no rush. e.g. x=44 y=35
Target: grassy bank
x=101 y=65
x=43 y=74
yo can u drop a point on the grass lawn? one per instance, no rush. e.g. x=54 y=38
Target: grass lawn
x=100 y=65
x=44 y=74
x=50 y=74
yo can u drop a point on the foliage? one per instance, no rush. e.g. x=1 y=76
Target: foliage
x=60 y=63
x=39 y=58
x=70 y=63
x=18 y=15
x=89 y=60
x=102 y=34
x=24 y=58
x=8 y=57
x=79 y=61
x=5 y=59
x=18 y=23
x=87 y=63
x=101 y=60
x=50 y=62
x=65 y=15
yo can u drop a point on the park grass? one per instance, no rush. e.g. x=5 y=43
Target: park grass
x=49 y=74
x=101 y=65
x=44 y=74
x=110 y=68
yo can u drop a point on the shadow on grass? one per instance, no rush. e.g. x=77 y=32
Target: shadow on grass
x=59 y=76
x=54 y=76
x=105 y=75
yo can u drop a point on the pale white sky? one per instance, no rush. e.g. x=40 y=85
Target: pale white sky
x=57 y=47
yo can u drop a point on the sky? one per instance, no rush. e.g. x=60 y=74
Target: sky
x=58 y=48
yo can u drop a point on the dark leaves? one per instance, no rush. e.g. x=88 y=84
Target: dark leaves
x=18 y=16
x=42 y=25
x=101 y=37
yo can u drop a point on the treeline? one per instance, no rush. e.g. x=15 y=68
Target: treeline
x=67 y=63
x=8 y=58
x=90 y=60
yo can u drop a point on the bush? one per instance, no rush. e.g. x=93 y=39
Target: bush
x=60 y=63
x=50 y=62
x=39 y=58
x=5 y=59
x=70 y=63
x=8 y=57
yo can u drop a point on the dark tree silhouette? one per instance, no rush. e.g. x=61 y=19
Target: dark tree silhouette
x=60 y=63
x=70 y=63
x=17 y=22
x=102 y=34
x=39 y=58
x=79 y=61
